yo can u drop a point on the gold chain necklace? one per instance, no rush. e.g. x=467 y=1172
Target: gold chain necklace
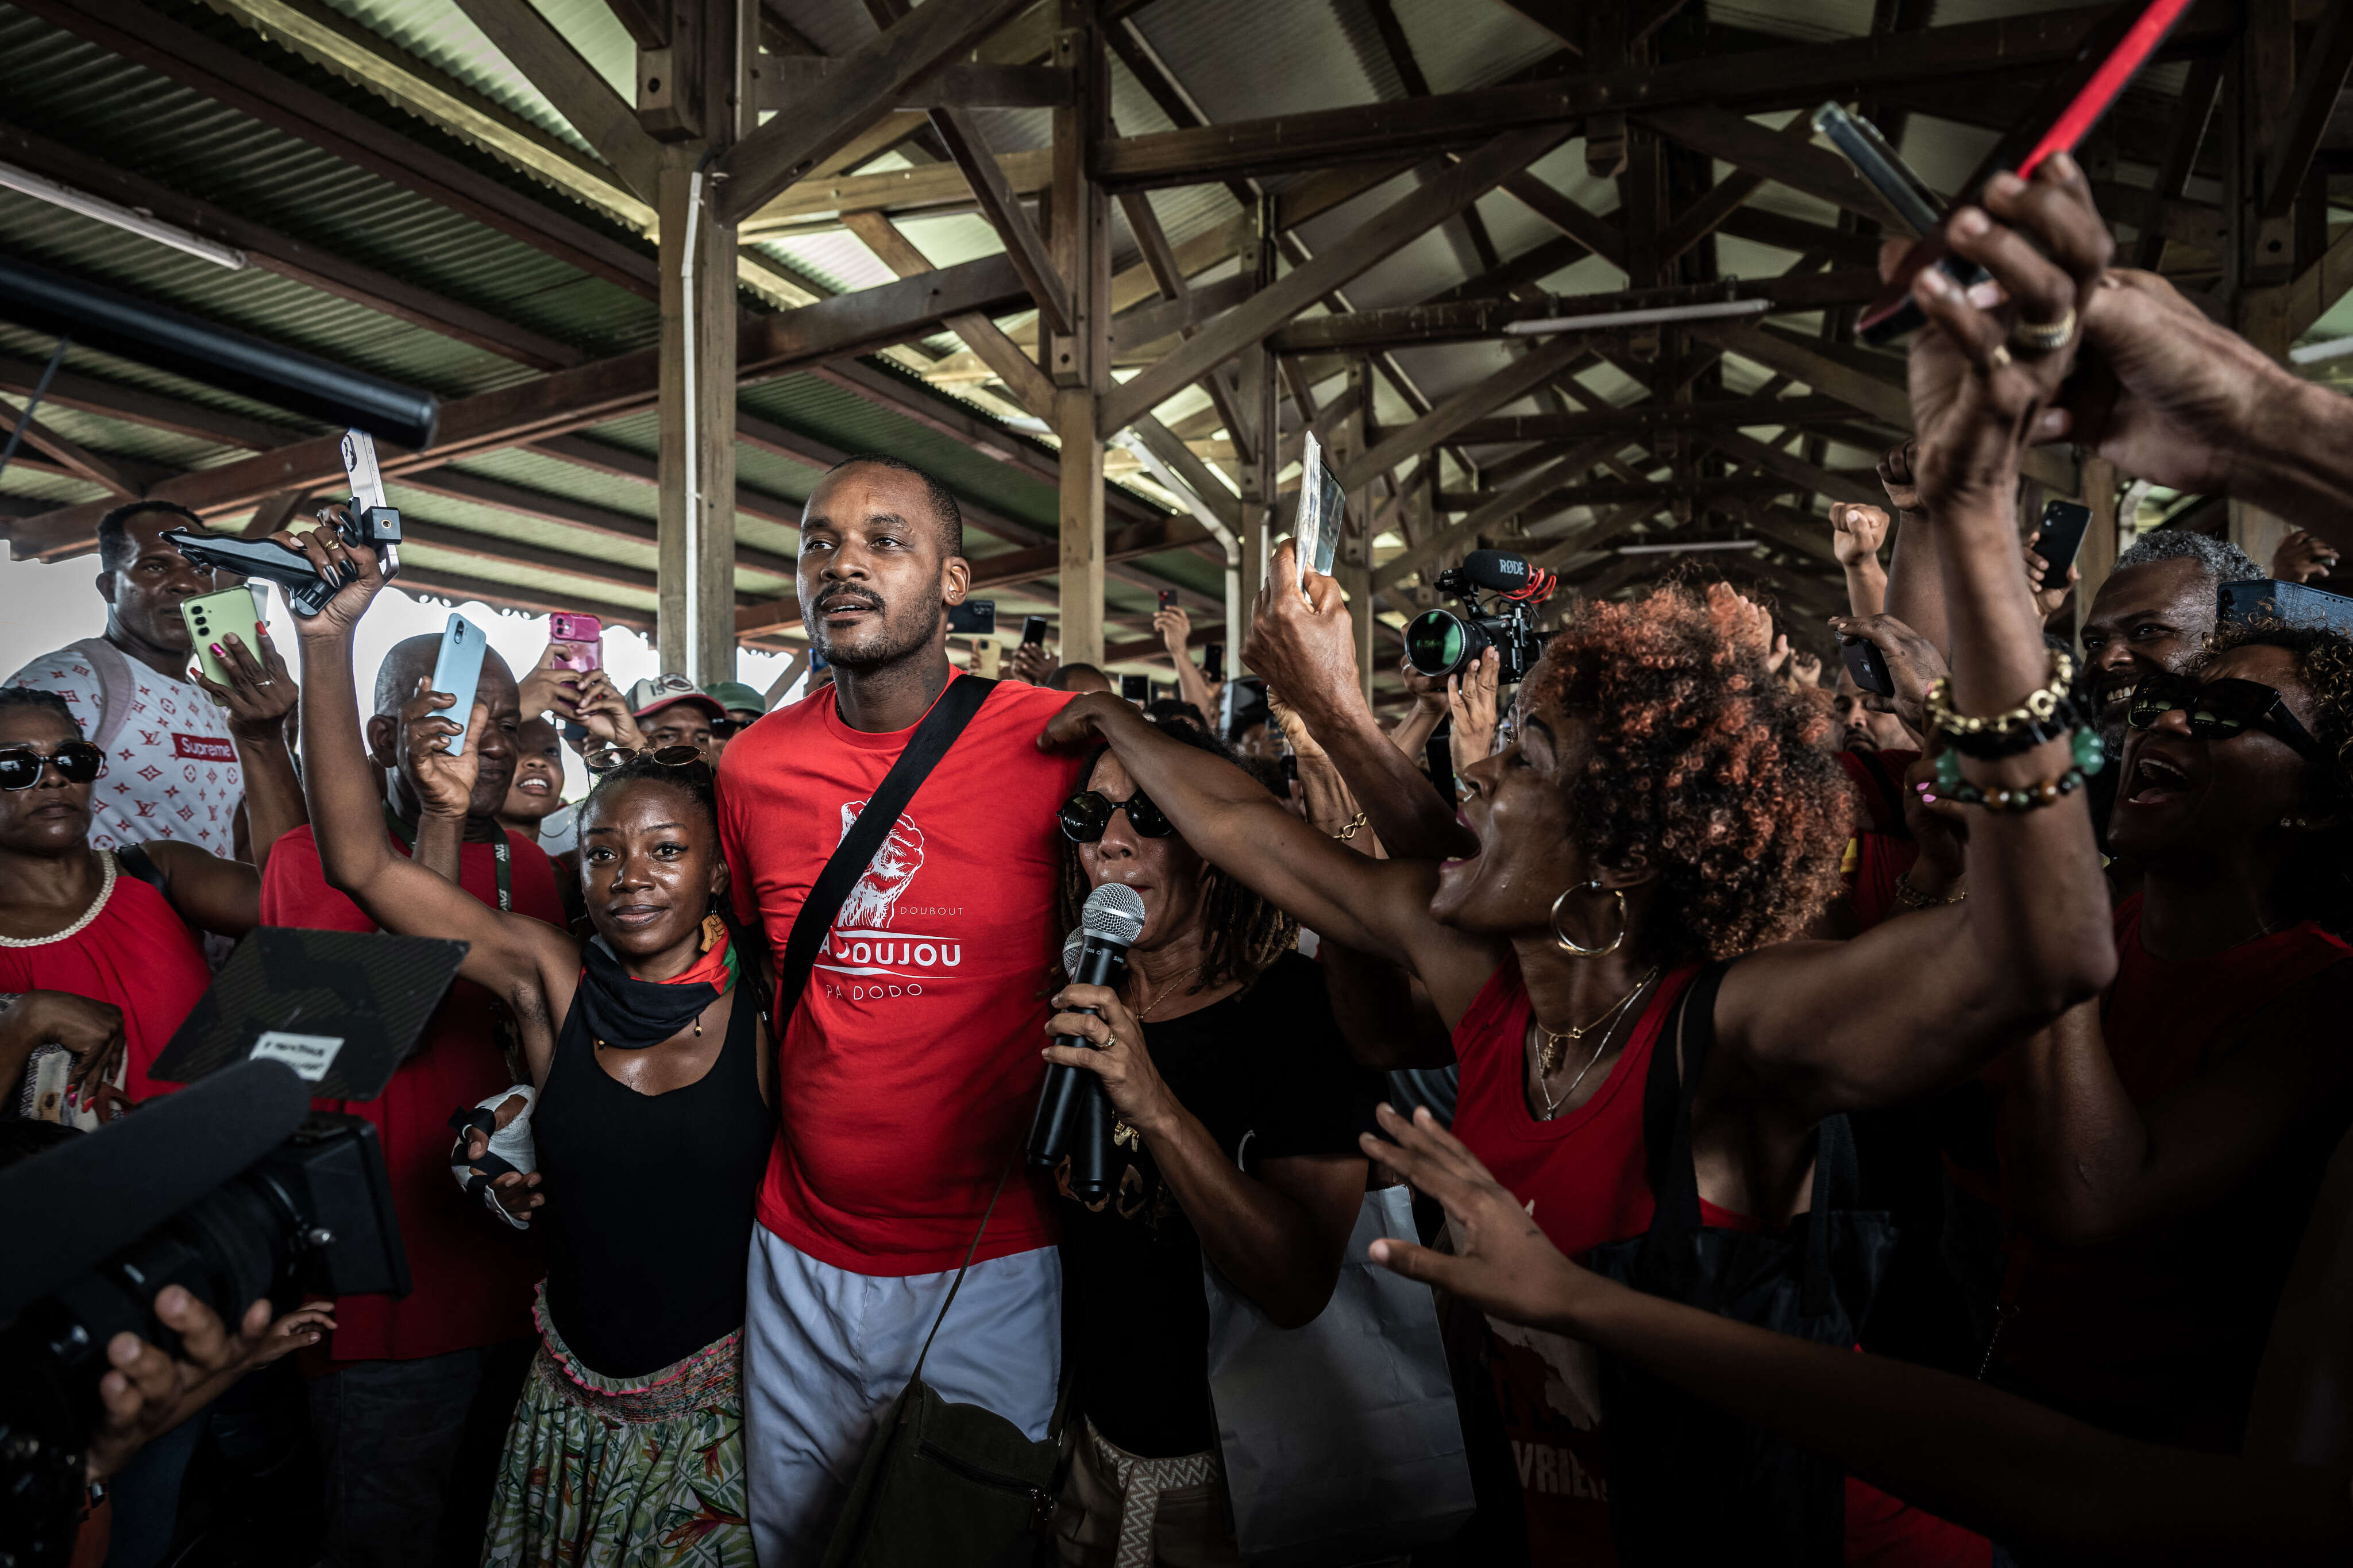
x=1145 y=1012
x=1555 y=1051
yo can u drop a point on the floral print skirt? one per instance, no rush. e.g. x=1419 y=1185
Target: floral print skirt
x=644 y=1472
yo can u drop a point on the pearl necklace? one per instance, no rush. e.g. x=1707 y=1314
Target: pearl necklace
x=105 y=891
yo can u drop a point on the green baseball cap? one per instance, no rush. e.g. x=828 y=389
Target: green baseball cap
x=736 y=697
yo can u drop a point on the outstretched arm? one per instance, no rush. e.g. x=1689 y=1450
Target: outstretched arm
x=1816 y=1026
x=1308 y=654
x=1916 y=587
x=1380 y=906
x=516 y=957
x=1991 y=1460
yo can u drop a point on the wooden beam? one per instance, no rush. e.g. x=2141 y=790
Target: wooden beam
x=1024 y=246
x=784 y=79
x=1409 y=325
x=872 y=79
x=74 y=459
x=984 y=337
x=586 y=518
x=2317 y=86
x=319 y=267
x=1640 y=419
x=135 y=405
x=1793 y=469
x=1801 y=166
x=1533 y=369
x=1528 y=493
x=1751 y=81
x=181 y=54
x=1710 y=213
x=2199 y=95
x=1597 y=234
x=2311 y=294
x=606 y=120
x=926 y=188
x=1187 y=466
x=514 y=596
x=1371 y=244
x=847 y=325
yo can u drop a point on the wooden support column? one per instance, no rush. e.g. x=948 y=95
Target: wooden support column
x=1353 y=566
x=1079 y=362
x=695 y=542
x=2101 y=544
x=2262 y=86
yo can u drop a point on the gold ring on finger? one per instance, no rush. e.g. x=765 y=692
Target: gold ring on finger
x=2000 y=358
x=2044 y=337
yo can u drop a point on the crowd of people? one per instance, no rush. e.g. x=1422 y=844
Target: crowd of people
x=1894 y=1127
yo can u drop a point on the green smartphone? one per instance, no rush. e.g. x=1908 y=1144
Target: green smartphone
x=211 y=617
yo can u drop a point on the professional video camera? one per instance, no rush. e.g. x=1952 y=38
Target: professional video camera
x=229 y=1189
x=368 y=524
x=1441 y=642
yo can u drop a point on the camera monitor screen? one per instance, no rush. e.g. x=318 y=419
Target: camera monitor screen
x=341 y=1008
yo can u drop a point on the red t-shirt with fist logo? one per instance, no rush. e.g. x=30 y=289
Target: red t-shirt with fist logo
x=910 y=1068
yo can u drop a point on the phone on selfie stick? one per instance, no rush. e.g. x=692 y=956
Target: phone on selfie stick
x=458 y=670
x=2110 y=56
x=369 y=524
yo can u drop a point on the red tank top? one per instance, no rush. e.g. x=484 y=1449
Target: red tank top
x=1584 y=1180
x=2157 y=1334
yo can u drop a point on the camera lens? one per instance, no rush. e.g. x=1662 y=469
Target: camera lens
x=1440 y=642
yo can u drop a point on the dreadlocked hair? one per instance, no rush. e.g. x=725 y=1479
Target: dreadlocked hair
x=1241 y=933
x=1717 y=777
x=2324 y=662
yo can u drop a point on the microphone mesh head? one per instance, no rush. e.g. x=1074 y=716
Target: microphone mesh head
x=1114 y=912
x=1073 y=945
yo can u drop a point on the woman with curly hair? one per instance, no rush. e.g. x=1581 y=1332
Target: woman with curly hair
x=1239 y=1112
x=2163 y=1144
x=1665 y=808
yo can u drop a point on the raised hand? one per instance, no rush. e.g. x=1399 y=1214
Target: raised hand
x=1305 y=647
x=1074 y=723
x=1895 y=467
x=1856 y=532
x=1504 y=1263
x=1032 y=663
x=146 y=1393
x=260 y=693
x=1912 y=662
x=601 y=711
x=329 y=556
x=1805 y=668
x=445 y=783
x=1176 y=629
x=551 y=686
x=2302 y=557
x=2047 y=596
x=1471 y=702
x=1429 y=690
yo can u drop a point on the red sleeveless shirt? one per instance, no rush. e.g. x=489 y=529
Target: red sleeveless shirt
x=1584 y=1180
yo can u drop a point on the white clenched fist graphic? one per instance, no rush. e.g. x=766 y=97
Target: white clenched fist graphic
x=870 y=903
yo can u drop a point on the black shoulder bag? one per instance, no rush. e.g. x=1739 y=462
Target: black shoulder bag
x=941 y=1485
x=1688 y=1482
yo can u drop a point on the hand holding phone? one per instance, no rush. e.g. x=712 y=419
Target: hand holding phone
x=2061 y=535
x=458 y=670
x=580 y=640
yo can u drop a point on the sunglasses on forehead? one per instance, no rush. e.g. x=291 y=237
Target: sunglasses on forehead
x=2218 y=710
x=1087 y=815
x=78 y=761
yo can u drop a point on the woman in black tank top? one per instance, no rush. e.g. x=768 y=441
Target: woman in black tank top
x=653 y=1126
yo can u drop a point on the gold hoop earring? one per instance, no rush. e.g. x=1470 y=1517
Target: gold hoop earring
x=1568 y=944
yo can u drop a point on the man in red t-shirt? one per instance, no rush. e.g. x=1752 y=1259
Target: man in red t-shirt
x=391 y=1413
x=910 y=1066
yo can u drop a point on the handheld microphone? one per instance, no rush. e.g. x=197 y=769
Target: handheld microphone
x=1072 y=1116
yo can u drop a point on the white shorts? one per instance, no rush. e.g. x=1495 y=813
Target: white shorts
x=827 y=1351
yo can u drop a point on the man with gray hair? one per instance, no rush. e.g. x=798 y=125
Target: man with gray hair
x=2156 y=610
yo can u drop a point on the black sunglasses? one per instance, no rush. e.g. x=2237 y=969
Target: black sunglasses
x=1086 y=815
x=2219 y=709
x=78 y=761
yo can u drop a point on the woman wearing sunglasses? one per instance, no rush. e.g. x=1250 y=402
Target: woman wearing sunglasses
x=2162 y=1144
x=1664 y=809
x=650 y=1068
x=100 y=948
x=1239 y=1111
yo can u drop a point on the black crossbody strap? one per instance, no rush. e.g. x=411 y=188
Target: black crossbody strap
x=926 y=747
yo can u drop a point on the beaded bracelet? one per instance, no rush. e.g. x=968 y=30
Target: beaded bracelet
x=2045 y=715
x=2013 y=798
x=2087 y=751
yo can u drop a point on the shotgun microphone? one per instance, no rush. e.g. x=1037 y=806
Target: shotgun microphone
x=1073 y=1118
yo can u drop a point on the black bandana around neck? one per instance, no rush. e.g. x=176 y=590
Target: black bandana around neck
x=629 y=1014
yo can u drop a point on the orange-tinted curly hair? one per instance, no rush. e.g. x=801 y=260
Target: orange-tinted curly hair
x=1718 y=777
